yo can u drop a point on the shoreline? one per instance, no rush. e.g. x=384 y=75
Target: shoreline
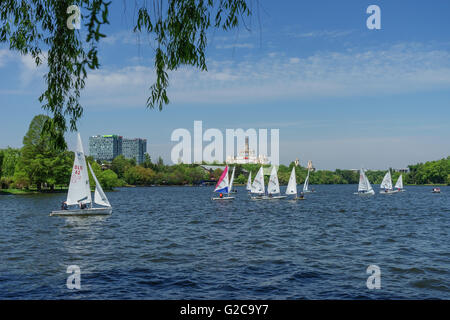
x=32 y=192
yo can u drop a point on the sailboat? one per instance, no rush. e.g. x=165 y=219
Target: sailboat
x=399 y=184
x=230 y=188
x=80 y=191
x=222 y=187
x=386 y=185
x=273 y=188
x=306 y=184
x=258 y=187
x=364 y=188
x=292 y=186
x=249 y=182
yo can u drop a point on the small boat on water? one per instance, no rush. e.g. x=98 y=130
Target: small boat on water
x=306 y=188
x=273 y=188
x=249 y=182
x=399 y=184
x=230 y=189
x=292 y=187
x=257 y=188
x=364 y=187
x=386 y=185
x=436 y=190
x=80 y=191
x=222 y=187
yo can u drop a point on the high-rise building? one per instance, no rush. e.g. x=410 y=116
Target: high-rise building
x=134 y=149
x=105 y=147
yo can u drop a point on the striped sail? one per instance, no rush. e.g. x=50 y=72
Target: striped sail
x=222 y=184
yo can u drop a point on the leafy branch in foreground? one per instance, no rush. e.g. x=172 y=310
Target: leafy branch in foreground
x=39 y=28
x=180 y=34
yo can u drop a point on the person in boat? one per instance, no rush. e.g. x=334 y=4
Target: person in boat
x=302 y=195
x=220 y=195
x=64 y=205
x=82 y=205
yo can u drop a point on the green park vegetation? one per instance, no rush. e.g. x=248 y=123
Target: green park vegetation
x=39 y=166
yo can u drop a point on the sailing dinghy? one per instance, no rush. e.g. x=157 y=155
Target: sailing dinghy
x=230 y=189
x=80 y=191
x=249 y=182
x=292 y=186
x=364 y=187
x=258 y=188
x=386 y=185
x=306 y=184
x=273 y=188
x=399 y=184
x=223 y=186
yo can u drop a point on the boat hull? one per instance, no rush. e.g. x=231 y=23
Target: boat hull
x=389 y=192
x=223 y=198
x=83 y=212
x=274 y=197
x=365 y=194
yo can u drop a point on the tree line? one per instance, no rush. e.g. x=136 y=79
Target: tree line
x=39 y=165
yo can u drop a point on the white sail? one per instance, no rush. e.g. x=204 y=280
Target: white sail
x=99 y=196
x=258 y=183
x=292 y=185
x=399 y=184
x=306 y=185
x=274 y=186
x=387 y=181
x=362 y=181
x=79 y=188
x=249 y=182
x=231 y=181
x=369 y=186
x=364 y=184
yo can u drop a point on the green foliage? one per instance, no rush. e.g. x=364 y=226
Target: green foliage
x=2 y=156
x=432 y=172
x=40 y=162
x=10 y=159
x=120 y=165
x=108 y=179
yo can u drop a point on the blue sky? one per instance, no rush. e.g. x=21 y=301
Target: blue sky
x=341 y=95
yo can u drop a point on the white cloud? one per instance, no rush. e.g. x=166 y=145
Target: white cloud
x=5 y=55
x=398 y=69
x=236 y=45
x=323 y=34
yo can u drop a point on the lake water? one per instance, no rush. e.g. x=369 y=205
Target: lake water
x=175 y=243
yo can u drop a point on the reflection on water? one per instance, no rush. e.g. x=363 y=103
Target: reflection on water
x=174 y=243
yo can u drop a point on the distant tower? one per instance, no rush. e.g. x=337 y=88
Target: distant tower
x=247 y=149
x=310 y=166
x=297 y=162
